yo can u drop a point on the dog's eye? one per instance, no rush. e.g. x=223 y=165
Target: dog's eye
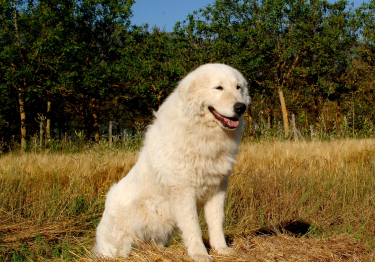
x=238 y=87
x=219 y=88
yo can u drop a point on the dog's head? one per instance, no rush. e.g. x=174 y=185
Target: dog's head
x=215 y=93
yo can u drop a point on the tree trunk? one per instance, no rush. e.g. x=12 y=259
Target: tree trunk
x=48 y=122
x=353 y=116
x=96 y=127
x=110 y=134
x=249 y=120
x=21 y=101
x=316 y=109
x=118 y=128
x=95 y=116
x=284 y=112
x=41 y=133
x=269 y=122
x=338 y=116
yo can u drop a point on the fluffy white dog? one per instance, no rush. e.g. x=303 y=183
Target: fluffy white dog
x=185 y=163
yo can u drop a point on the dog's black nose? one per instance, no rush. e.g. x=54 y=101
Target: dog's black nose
x=239 y=108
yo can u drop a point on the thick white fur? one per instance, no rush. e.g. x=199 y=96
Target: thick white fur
x=184 y=164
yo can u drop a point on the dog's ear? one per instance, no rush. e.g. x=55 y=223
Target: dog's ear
x=184 y=88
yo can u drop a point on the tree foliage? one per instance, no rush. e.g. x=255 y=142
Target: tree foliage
x=91 y=65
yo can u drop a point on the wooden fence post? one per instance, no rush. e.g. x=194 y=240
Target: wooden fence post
x=110 y=134
x=295 y=132
x=41 y=118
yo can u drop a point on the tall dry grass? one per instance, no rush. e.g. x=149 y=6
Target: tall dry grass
x=50 y=203
x=328 y=184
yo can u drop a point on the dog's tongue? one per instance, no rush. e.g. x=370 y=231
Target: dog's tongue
x=230 y=123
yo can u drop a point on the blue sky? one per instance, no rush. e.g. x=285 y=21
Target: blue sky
x=165 y=13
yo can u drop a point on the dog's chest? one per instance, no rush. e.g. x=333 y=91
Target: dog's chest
x=208 y=160
x=205 y=172
x=198 y=157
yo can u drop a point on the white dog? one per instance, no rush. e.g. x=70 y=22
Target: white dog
x=185 y=163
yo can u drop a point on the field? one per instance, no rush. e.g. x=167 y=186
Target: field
x=287 y=201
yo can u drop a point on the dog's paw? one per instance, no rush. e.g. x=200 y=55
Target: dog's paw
x=202 y=258
x=226 y=251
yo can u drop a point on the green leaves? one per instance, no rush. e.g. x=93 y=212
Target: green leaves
x=366 y=19
x=87 y=59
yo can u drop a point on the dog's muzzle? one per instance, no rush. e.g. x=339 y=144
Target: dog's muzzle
x=229 y=122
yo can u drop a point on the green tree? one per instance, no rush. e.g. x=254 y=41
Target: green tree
x=327 y=70
x=98 y=32
x=31 y=48
x=366 y=18
x=275 y=43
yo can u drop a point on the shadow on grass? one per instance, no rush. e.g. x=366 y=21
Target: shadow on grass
x=296 y=228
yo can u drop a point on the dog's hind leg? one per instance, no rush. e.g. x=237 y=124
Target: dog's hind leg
x=163 y=241
x=105 y=249
x=126 y=246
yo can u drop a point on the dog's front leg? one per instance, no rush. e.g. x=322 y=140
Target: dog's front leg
x=185 y=212
x=214 y=214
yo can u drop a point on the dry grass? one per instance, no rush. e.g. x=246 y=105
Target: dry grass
x=314 y=201
x=265 y=249
x=322 y=182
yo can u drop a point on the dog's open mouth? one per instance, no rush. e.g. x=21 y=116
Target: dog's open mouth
x=228 y=122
